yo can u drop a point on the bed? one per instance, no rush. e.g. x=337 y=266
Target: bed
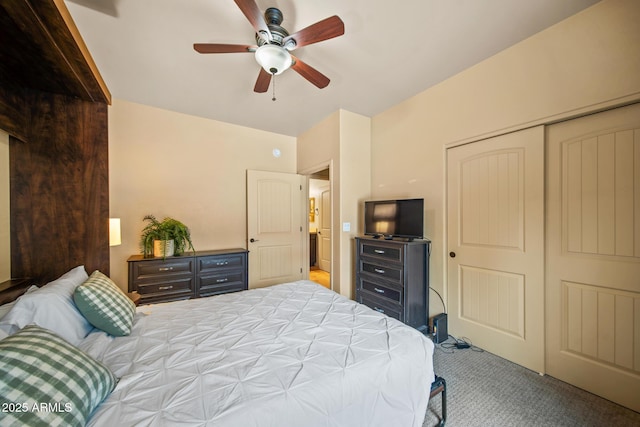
x=295 y=354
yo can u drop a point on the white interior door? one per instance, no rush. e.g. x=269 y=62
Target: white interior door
x=324 y=247
x=495 y=191
x=593 y=247
x=275 y=216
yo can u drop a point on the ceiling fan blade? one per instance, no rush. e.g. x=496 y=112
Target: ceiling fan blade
x=255 y=17
x=320 y=31
x=223 y=48
x=262 y=84
x=310 y=73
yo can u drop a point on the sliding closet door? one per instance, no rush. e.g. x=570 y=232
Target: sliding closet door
x=593 y=249
x=495 y=191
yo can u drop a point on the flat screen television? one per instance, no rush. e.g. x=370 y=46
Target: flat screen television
x=394 y=218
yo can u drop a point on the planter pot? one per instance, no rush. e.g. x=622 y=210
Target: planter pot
x=163 y=248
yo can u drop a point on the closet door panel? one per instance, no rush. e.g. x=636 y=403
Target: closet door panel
x=495 y=192
x=593 y=254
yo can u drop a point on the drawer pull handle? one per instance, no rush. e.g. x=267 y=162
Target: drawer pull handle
x=165 y=288
x=379 y=270
x=222 y=263
x=378 y=251
x=165 y=269
x=380 y=291
x=379 y=310
x=222 y=280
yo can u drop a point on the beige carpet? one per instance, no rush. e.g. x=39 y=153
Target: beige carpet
x=486 y=390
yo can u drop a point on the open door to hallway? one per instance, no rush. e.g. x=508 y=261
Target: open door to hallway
x=320 y=191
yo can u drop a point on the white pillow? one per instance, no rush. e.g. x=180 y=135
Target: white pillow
x=51 y=307
x=5 y=308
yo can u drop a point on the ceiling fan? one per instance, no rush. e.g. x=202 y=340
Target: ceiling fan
x=274 y=44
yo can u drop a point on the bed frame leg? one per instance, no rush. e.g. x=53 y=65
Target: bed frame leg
x=440 y=386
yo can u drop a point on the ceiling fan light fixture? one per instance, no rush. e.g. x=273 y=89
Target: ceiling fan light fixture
x=274 y=59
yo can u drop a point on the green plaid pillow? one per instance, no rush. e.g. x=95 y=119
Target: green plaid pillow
x=45 y=381
x=104 y=305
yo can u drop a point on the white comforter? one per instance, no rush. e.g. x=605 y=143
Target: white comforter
x=294 y=354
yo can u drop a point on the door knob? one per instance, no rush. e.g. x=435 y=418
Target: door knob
x=452 y=254
x=252 y=240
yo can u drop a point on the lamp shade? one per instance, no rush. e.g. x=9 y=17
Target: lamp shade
x=274 y=59
x=114 y=232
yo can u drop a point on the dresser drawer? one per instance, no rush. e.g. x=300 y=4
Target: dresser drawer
x=208 y=264
x=223 y=282
x=382 y=307
x=393 y=274
x=383 y=291
x=152 y=270
x=166 y=290
x=221 y=289
x=167 y=286
x=381 y=251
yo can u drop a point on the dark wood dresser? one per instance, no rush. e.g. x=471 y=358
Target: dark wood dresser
x=392 y=277
x=190 y=275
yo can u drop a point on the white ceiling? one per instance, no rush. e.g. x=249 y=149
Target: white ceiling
x=390 y=51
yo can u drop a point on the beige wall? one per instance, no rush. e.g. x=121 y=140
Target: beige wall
x=193 y=169
x=355 y=170
x=5 y=239
x=318 y=148
x=587 y=62
x=342 y=140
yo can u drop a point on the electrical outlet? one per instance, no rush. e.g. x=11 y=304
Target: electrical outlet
x=346 y=226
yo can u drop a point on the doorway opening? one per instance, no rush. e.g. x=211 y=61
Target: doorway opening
x=320 y=227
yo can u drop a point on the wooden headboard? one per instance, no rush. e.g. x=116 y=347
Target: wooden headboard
x=54 y=105
x=12 y=289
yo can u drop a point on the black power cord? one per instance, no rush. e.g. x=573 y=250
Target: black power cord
x=459 y=344
x=441 y=300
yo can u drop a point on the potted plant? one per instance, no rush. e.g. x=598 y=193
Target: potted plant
x=164 y=238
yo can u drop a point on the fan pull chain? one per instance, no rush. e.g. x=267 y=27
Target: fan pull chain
x=274 y=87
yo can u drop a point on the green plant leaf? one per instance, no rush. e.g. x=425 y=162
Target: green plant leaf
x=167 y=229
